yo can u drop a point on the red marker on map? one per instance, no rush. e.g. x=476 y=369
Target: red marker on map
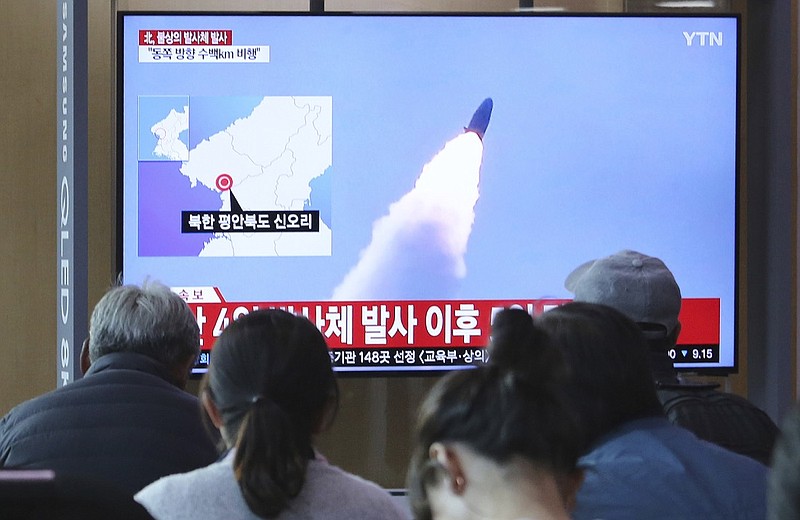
x=224 y=182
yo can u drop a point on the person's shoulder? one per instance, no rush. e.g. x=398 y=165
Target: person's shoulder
x=638 y=436
x=180 y=495
x=652 y=466
x=353 y=495
x=656 y=440
x=736 y=465
x=323 y=469
x=50 y=401
x=94 y=392
x=132 y=385
x=41 y=414
x=169 y=486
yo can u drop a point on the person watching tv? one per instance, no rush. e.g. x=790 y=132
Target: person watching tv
x=270 y=390
x=645 y=290
x=496 y=442
x=128 y=421
x=636 y=463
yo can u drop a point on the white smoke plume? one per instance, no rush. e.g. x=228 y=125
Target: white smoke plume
x=417 y=249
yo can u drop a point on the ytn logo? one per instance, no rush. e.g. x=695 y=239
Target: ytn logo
x=703 y=38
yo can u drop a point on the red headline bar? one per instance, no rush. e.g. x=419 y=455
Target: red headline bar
x=160 y=37
x=424 y=324
x=700 y=321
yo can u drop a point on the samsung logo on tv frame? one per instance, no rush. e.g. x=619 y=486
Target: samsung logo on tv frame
x=703 y=38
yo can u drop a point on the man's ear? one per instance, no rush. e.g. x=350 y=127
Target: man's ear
x=85 y=361
x=180 y=373
x=211 y=410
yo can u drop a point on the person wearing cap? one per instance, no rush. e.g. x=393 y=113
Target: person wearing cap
x=636 y=464
x=645 y=290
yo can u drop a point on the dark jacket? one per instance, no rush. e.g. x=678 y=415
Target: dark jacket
x=124 y=423
x=724 y=419
x=783 y=491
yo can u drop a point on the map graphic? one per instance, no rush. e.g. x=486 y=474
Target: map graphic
x=165 y=139
x=245 y=156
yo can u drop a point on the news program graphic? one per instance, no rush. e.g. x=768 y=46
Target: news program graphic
x=163 y=128
x=196 y=46
x=433 y=203
x=242 y=190
x=421 y=334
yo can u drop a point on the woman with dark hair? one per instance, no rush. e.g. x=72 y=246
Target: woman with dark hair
x=610 y=378
x=637 y=464
x=493 y=442
x=270 y=389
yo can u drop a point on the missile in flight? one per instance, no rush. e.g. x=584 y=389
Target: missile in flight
x=417 y=250
x=480 y=119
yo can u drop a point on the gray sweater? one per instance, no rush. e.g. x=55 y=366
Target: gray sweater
x=212 y=492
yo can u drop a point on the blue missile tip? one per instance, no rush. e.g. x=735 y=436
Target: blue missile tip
x=480 y=119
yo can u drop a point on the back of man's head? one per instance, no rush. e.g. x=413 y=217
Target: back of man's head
x=150 y=320
x=639 y=286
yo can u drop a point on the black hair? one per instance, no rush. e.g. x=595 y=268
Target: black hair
x=610 y=378
x=500 y=412
x=271 y=379
x=516 y=343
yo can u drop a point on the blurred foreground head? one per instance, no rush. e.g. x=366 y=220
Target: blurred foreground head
x=494 y=439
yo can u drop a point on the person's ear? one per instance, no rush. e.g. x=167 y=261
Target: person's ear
x=572 y=483
x=85 y=361
x=180 y=373
x=211 y=410
x=448 y=458
x=328 y=414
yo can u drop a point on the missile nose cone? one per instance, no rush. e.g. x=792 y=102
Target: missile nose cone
x=480 y=119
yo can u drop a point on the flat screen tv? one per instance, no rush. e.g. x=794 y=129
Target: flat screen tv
x=400 y=177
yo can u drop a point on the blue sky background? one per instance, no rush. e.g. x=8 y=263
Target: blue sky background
x=607 y=133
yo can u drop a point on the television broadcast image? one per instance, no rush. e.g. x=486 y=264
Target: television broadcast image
x=399 y=191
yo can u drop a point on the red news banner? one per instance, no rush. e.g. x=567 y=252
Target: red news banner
x=185 y=37
x=415 y=334
x=197 y=46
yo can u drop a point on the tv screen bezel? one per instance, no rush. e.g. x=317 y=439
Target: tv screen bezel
x=119 y=140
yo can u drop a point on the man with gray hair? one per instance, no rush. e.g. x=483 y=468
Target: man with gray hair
x=128 y=421
x=644 y=289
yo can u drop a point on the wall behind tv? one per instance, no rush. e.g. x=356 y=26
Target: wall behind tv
x=371 y=434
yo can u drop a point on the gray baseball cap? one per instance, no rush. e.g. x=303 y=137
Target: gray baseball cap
x=635 y=284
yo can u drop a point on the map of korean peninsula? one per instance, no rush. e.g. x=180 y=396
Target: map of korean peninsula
x=269 y=163
x=168 y=131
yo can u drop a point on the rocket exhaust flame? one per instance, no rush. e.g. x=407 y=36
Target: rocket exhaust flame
x=417 y=249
